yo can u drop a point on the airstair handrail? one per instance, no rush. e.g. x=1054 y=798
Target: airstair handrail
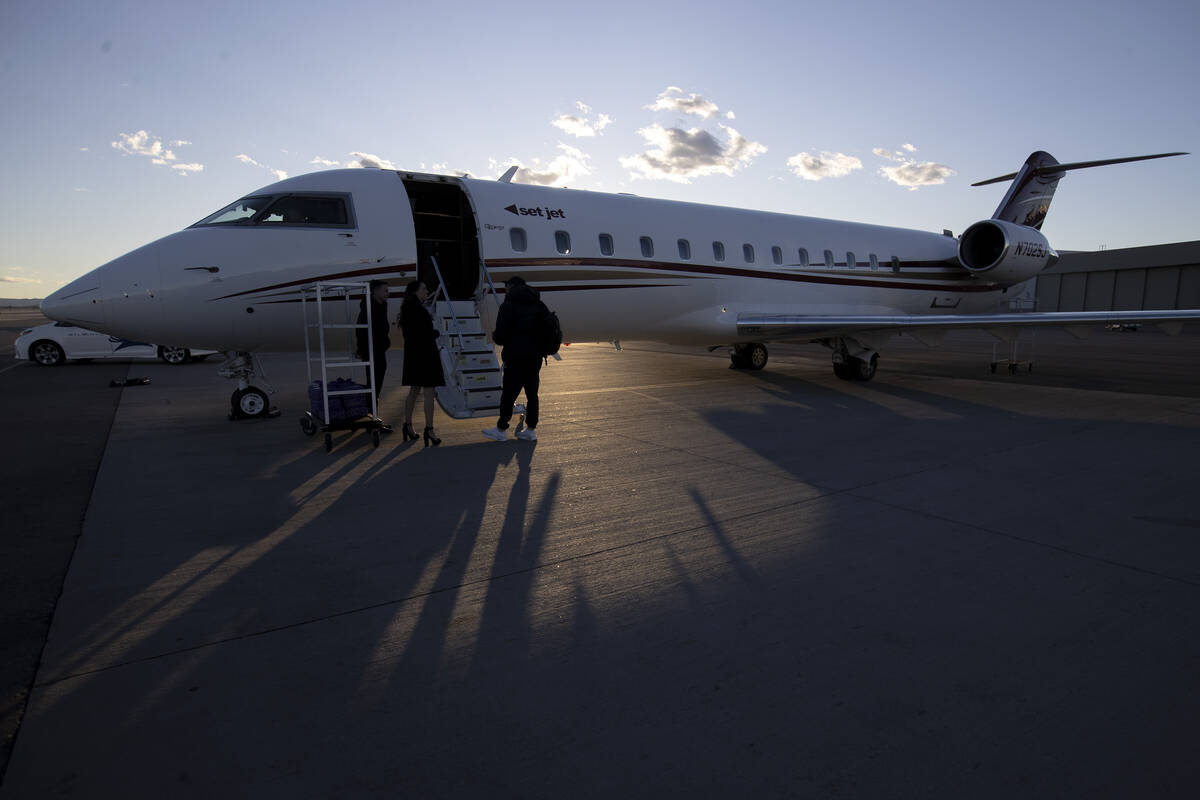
x=450 y=303
x=491 y=286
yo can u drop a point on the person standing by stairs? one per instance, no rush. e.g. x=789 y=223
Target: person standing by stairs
x=422 y=362
x=516 y=332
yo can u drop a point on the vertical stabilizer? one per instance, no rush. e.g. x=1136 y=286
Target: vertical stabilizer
x=1028 y=198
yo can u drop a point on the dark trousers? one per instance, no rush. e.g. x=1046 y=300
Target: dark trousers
x=380 y=362
x=520 y=373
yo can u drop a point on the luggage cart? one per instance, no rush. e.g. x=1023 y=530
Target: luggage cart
x=343 y=405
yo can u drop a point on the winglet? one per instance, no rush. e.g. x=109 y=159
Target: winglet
x=508 y=175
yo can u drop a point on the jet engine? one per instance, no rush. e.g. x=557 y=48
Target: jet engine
x=1004 y=252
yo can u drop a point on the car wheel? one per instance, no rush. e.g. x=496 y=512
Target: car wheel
x=47 y=353
x=174 y=355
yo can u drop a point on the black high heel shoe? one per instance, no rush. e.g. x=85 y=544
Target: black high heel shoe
x=429 y=437
x=409 y=433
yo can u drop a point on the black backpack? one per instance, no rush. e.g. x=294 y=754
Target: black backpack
x=548 y=336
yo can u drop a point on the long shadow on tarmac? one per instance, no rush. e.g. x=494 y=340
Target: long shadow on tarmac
x=946 y=598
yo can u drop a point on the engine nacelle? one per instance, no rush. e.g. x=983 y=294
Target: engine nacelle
x=1004 y=252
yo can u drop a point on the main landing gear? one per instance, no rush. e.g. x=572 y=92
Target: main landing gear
x=852 y=361
x=748 y=356
x=247 y=401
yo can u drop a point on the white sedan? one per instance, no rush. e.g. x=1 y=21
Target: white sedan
x=55 y=342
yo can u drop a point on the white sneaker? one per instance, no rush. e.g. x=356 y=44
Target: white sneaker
x=496 y=434
x=528 y=435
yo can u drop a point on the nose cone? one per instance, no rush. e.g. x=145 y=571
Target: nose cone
x=80 y=301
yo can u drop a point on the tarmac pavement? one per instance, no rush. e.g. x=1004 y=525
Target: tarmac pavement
x=699 y=581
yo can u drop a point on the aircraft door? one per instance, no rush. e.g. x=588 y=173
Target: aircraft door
x=445 y=230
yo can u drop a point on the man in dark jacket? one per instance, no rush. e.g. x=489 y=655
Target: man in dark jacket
x=516 y=333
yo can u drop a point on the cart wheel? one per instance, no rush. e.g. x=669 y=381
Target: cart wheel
x=328 y=443
x=375 y=438
x=308 y=426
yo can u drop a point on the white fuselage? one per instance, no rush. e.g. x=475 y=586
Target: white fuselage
x=614 y=267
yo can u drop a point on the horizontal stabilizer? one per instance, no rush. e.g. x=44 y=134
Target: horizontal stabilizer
x=1028 y=198
x=1077 y=165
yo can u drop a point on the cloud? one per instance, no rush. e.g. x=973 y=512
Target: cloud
x=582 y=126
x=908 y=173
x=679 y=155
x=814 y=167
x=673 y=99
x=325 y=162
x=570 y=164
x=143 y=143
x=368 y=161
x=912 y=175
x=17 y=279
x=245 y=159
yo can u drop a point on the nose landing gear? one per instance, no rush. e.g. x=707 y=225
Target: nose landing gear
x=247 y=401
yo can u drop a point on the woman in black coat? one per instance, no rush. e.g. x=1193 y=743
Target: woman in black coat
x=422 y=362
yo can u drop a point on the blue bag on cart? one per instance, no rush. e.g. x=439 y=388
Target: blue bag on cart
x=342 y=407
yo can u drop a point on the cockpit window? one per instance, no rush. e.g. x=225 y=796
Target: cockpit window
x=238 y=211
x=285 y=210
x=306 y=210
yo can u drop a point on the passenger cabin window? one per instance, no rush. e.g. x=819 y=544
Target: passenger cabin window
x=306 y=210
x=517 y=237
x=685 y=249
x=718 y=251
x=829 y=258
x=562 y=242
x=777 y=255
x=895 y=264
x=647 y=247
x=606 y=244
x=851 y=261
x=874 y=261
x=748 y=253
x=803 y=257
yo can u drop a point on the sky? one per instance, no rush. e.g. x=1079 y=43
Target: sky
x=121 y=122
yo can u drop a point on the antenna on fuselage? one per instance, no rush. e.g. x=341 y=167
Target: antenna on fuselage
x=508 y=175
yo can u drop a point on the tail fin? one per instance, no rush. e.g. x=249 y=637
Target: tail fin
x=1028 y=199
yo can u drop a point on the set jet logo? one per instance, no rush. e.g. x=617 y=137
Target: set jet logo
x=544 y=213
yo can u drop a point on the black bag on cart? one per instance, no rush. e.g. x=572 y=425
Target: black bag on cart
x=342 y=407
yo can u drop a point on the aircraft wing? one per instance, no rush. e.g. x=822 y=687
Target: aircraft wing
x=824 y=326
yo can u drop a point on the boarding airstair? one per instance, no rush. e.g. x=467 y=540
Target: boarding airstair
x=469 y=362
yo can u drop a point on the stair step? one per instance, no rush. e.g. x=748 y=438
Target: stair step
x=476 y=361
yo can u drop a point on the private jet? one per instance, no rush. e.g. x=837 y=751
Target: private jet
x=615 y=267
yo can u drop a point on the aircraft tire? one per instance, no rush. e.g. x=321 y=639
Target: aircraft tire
x=46 y=353
x=756 y=356
x=864 y=370
x=843 y=371
x=751 y=356
x=249 y=403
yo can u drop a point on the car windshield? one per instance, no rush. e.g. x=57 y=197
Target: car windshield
x=238 y=211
